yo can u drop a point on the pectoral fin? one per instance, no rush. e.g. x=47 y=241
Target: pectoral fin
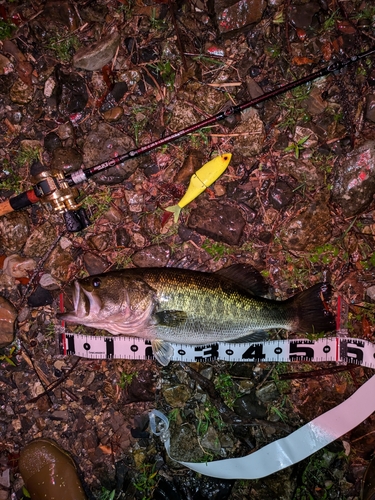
x=170 y=318
x=163 y=351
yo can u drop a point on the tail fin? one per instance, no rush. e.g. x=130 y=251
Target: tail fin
x=310 y=311
x=175 y=209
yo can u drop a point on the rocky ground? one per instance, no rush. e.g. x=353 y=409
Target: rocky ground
x=86 y=81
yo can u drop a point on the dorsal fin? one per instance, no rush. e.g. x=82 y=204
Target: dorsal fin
x=247 y=277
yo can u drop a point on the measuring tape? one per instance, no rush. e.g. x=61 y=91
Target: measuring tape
x=338 y=349
x=281 y=453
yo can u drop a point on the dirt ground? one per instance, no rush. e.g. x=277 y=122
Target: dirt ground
x=88 y=81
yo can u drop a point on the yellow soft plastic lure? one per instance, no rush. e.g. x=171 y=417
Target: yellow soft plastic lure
x=201 y=180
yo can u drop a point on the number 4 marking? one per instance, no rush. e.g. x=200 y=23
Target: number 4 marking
x=255 y=351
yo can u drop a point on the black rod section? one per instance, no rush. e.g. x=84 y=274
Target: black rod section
x=82 y=175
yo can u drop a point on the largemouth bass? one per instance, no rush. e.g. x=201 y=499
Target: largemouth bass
x=192 y=307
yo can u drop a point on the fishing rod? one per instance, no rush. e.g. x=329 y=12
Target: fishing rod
x=58 y=189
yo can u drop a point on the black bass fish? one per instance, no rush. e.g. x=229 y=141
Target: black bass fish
x=192 y=307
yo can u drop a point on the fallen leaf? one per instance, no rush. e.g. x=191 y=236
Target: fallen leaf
x=299 y=61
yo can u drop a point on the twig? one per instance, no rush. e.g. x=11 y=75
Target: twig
x=55 y=384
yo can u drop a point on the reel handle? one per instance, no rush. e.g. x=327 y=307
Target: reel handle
x=76 y=220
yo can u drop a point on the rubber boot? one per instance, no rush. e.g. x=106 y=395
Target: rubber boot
x=368 y=482
x=49 y=472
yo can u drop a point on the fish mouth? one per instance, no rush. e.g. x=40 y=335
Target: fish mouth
x=87 y=305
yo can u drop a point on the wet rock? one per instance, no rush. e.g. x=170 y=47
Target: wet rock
x=100 y=241
x=135 y=201
x=14 y=231
x=164 y=489
x=71 y=92
x=21 y=93
x=183 y=115
x=203 y=487
x=238 y=15
x=104 y=143
x=5 y=481
x=302 y=170
x=113 y=114
x=315 y=104
x=301 y=15
x=267 y=393
x=310 y=228
x=370 y=107
x=251 y=133
x=58 y=263
x=223 y=223
x=65 y=131
x=40 y=240
x=176 y=396
x=354 y=181
x=248 y=406
x=18 y=267
x=94 y=264
x=114 y=215
x=207 y=98
x=6 y=66
x=51 y=142
x=66 y=160
x=142 y=387
x=151 y=222
x=62 y=13
x=152 y=256
x=122 y=237
x=253 y=88
x=370 y=293
x=187 y=234
x=40 y=297
x=114 y=96
x=210 y=440
x=207 y=372
x=8 y=315
x=60 y=415
x=280 y=195
x=98 y=55
x=184 y=444
x=49 y=282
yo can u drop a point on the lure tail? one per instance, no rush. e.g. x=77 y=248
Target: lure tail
x=310 y=310
x=176 y=210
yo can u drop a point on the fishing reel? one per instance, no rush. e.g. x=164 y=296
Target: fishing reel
x=53 y=190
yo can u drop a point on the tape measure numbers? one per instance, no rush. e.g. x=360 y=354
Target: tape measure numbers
x=337 y=349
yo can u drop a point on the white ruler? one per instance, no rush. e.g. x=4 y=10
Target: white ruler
x=338 y=349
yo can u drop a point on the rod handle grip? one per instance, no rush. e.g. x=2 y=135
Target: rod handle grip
x=18 y=202
x=5 y=208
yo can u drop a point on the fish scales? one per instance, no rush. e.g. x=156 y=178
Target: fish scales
x=167 y=305
x=217 y=310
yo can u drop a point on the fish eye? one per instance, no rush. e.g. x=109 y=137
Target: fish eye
x=96 y=282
